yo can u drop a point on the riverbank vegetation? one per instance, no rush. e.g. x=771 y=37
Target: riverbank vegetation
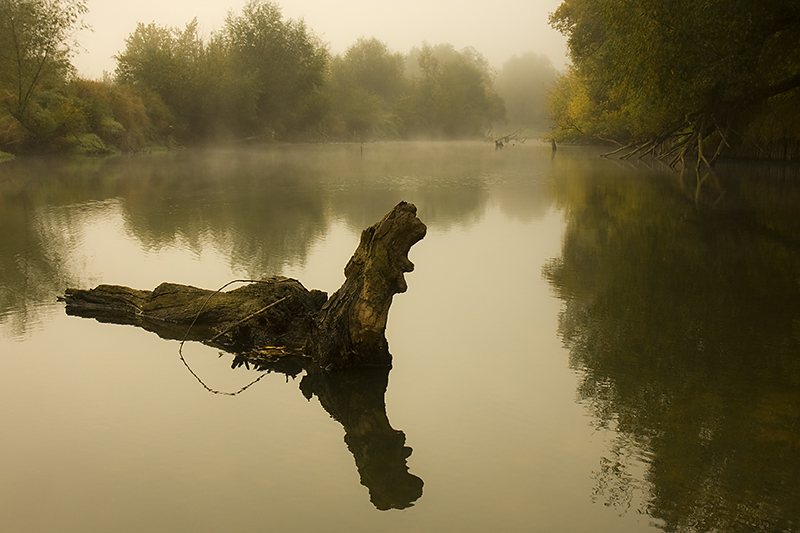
x=259 y=78
x=680 y=79
x=649 y=77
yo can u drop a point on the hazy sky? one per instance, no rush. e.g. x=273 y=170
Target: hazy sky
x=498 y=30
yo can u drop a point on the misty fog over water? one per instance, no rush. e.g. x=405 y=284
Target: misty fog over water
x=585 y=345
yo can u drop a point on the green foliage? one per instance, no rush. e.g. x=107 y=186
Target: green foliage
x=168 y=62
x=41 y=107
x=366 y=86
x=370 y=64
x=35 y=46
x=119 y=116
x=648 y=71
x=259 y=77
x=452 y=92
x=283 y=62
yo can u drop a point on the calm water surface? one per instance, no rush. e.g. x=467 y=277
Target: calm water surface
x=585 y=345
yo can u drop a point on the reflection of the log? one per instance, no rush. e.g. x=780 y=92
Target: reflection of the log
x=355 y=398
x=277 y=325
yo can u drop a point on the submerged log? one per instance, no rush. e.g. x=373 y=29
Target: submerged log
x=345 y=331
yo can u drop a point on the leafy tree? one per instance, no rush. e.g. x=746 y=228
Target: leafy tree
x=35 y=47
x=120 y=117
x=370 y=64
x=453 y=93
x=196 y=80
x=284 y=62
x=423 y=68
x=523 y=83
x=671 y=76
x=366 y=85
x=167 y=62
x=260 y=74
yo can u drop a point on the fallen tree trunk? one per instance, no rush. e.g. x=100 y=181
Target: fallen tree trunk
x=274 y=317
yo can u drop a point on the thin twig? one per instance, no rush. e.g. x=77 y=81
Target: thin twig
x=205 y=302
x=224 y=393
x=197 y=316
x=248 y=317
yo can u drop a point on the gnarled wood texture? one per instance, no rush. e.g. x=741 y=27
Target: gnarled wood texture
x=345 y=331
x=350 y=328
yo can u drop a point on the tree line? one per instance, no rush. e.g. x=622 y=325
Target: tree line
x=683 y=78
x=260 y=77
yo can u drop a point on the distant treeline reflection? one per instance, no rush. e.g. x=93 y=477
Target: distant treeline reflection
x=682 y=313
x=261 y=209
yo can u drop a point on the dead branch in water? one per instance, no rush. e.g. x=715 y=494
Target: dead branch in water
x=345 y=331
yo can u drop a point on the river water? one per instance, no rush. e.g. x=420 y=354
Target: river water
x=586 y=344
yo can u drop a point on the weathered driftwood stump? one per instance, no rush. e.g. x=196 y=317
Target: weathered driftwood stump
x=350 y=327
x=275 y=317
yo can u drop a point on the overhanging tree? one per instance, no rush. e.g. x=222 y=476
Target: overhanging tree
x=677 y=78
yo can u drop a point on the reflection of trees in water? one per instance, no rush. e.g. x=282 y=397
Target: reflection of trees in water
x=31 y=271
x=356 y=399
x=259 y=216
x=263 y=208
x=684 y=318
x=451 y=183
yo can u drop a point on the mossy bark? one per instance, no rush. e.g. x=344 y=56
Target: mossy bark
x=345 y=331
x=350 y=327
x=176 y=311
